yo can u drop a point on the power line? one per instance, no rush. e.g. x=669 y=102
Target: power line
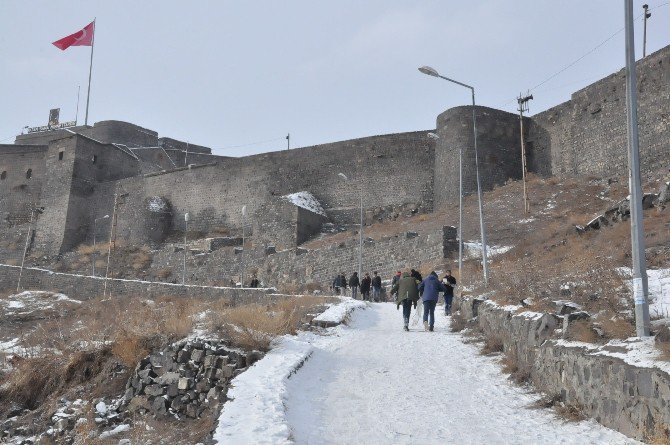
x=251 y=143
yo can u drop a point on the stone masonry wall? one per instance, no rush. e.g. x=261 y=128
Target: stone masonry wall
x=82 y=287
x=587 y=135
x=630 y=399
x=498 y=139
x=213 y=195
x=18 y=193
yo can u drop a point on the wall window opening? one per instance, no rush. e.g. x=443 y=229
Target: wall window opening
x=3 y=175
x=94 y=159
x=29 y=173
x=60 y=155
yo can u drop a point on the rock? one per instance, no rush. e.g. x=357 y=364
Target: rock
x=227 y=371
x=156 y=360
x=210 y=361
x=159 y=406
x=185 y=383
x=213 y=396
x=169 y=378
x=177 y=405
x=301 y=251
x=124 y=442
x=253 y=357
x=648 y=200
x=663 y=194
x=183 y=356
x=101 y=408
x=147 y=375
x=172 y=390
x=137 y=403
x=197 y=355
x=191 y=411
x=154 y=390
x=202 y=386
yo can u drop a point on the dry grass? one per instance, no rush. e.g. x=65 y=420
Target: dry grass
x=254 y=326
x=492 y=345
x=458 y=322
x=519 y=373
x=662 y=342
x=164 y=273
x=569 y=412
x=581 y=330
x=615 y=327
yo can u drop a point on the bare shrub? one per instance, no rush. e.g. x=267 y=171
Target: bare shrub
x=458 y=322
x=662 y=342
x=163 y=273
x=581 y=330
x=615 y=327
x=253 y=326
x=492 y=345
x=519 y=373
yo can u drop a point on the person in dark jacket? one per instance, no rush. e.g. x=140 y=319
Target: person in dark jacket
x=354 y=282
x=376 y=287
x=396 y=278
x=343 y=281
x=337 y=284
x=365 y=287
x=450 y=283
x=407 y=294
x=417 y=275
x=254 y=282
x=430 y=289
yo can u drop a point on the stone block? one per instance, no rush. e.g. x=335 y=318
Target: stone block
x=169 y=378
x=198 y=355
x=138 y=403
x=185 y=384
x=159 y=406
x=154 y=390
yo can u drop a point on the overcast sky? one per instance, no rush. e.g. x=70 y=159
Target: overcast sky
x=231 y=74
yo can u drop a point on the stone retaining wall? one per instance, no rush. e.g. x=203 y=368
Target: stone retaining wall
x=631 y=399
x=82 y=287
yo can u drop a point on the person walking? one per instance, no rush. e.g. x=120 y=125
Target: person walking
x=450 y=283
x=376 y=287
x=343 y=283
x=407 y=294
x=430 y=289
x=354 y=283
x=337 y=284
x=417 y=275
x=365 y=287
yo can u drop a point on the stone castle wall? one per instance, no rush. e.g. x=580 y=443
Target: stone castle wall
x=587 y=135
x=18 y=192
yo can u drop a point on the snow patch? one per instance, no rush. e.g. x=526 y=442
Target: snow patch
x=305 y=200
x=156 y=204
x=473 y=249
x=337 y=313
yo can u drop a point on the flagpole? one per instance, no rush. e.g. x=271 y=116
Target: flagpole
x=90 y=70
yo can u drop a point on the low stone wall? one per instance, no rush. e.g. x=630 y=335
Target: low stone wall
x=83 y=287
x=631 y=399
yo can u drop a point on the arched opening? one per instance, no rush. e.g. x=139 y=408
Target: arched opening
x=3 y=175
x=29 y=173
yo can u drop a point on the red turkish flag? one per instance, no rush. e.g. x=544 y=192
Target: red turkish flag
x=79 y=38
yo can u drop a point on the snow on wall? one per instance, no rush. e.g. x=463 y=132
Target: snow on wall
x=305 y=200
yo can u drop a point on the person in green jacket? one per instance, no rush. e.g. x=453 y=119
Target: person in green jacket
x=407 y=294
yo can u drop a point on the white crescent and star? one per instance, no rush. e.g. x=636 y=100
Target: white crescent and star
x=83 y=35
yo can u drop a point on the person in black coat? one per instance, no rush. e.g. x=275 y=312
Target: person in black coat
x=365 y=287
x=354 y=283
x=376 y=287
x=450 y=283
x=416 y=275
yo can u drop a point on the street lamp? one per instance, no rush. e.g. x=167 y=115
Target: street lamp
x=360 y=232
x=432 y=72
x=244 y=264
x=95 y=252
x=460 y=205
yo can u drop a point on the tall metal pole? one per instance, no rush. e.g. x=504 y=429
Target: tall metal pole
x=183 y=277
x=640 y=284
x=460 y=212
x=90 y=71
x=244 y=264
x=109 y=247
x=288 y=141
x=95 y=253
x=482 y=228
x=186 y=156
x=76 y=115
x=647 y=14
x=25 y=248
x=360 y=240
x=524 y=165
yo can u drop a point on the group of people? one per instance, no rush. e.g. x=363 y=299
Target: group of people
x=365 y=286
x=409 y=286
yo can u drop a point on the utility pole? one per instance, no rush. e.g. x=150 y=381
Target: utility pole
x=183 y=278
x=647 y=14
x=112 y=236
x=33 y=210
x=288 y=141
x=244 y=265
x=640 y=284
x=523 y=106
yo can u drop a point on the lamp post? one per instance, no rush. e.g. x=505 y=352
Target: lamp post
x=460 y=204
x=640 y=282
x=432 y=72
x=95 y=252
x=183 y=277
x=244 y=264
x=360 y=232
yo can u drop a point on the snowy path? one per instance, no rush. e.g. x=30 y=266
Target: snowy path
x=376 y=384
